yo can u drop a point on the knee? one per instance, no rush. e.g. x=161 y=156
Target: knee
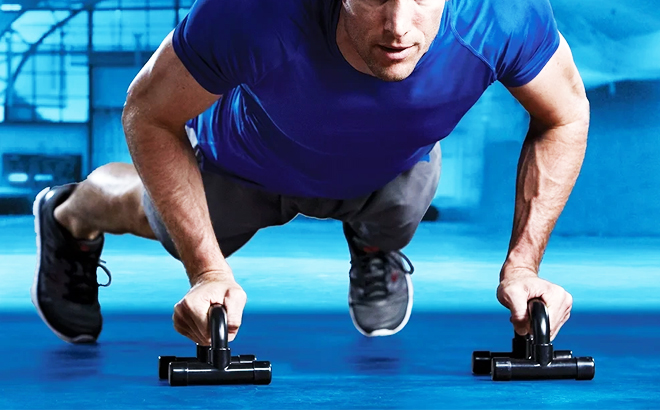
x=118 y=185
x=396 y=238
x=113 y=176
x=389 y=234
x=406 y=216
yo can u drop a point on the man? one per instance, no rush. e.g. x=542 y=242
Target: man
x=329 y=108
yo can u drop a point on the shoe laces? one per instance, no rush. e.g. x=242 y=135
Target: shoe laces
x=101 y=265
x=372 y=277
x=83 y=284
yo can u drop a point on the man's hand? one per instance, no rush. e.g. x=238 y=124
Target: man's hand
x=519 y=286
x=191 y=313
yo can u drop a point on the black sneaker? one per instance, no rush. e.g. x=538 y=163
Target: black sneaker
x=65 y=290
x=380 y=296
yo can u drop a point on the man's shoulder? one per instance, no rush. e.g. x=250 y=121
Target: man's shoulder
x=489 y=27
x=224 y=43
x=492 y=20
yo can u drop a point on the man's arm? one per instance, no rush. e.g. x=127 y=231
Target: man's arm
x=550 y=162
x=160 y=100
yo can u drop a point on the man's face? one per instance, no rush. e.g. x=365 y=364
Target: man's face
x=390 y=36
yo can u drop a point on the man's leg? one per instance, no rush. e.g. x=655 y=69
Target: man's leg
x=377 y=227
x=69 y=222
x=109 y=200
x=237 y=212
x=381 y=292
x=392 y=214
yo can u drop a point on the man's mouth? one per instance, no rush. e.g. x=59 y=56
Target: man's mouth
x=396 y=52
x=394 y=49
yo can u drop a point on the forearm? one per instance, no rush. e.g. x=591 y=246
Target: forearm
x=549 y=165
x=168 y=168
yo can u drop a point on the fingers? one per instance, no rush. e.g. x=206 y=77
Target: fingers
x=559 y=311
x=234 y=302
x=515 y=294
x=185 y=323
x=198 y=309
x=191 y=313
x=182 y=324
x=519 y=313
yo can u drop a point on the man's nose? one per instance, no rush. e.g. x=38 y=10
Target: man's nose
x=399 y=17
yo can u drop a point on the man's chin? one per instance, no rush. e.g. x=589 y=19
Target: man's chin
x=393 y=72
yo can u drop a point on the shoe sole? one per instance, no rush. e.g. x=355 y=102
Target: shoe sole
x=35 y=283
x=386 y=332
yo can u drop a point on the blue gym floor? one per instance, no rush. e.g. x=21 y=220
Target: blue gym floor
x=296 y=317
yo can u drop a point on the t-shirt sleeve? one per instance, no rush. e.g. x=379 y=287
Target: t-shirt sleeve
x=533 y=40
x=212 y=44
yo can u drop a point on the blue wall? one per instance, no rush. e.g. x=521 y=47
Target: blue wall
x=618 y=190
x=44 y=138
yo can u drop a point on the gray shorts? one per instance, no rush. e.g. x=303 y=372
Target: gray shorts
x=386 y=218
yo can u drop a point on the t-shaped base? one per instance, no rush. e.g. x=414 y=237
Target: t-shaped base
x=521 y=349
x=203 y=354
x=533 y=357
x=214 y=364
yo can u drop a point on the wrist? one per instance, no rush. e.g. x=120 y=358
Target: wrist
x=203 y=260
x=220 y=274
x=512 y=271
x=204 y=266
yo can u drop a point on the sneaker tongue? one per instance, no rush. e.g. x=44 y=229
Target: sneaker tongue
x=85 y=245
x=82 y=245
x=363 y=248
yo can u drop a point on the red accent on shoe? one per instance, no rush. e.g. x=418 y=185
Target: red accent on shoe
x=370 y=249
x=84 y=248
x=394 y=276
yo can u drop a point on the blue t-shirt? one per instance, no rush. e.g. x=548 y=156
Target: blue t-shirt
x=297 y=119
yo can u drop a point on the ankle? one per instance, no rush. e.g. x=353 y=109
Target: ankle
x=75 y=225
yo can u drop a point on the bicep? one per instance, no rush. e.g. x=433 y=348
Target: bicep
x=556 y=96
x=165 y=93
